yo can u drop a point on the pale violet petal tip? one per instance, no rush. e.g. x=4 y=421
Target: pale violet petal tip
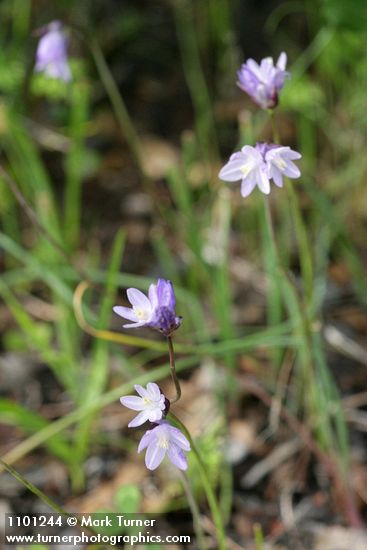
x=138 y=299
x=126 y=313
x=282 y=61
x=135 y=325
x=154 y=456
x=140 y=419
x=132 y=402
x=140 y=390
x=154 y=390
x=177 y=457
x=145 y=440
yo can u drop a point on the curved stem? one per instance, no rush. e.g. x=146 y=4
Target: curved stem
x=172 y=365
x=212 y=500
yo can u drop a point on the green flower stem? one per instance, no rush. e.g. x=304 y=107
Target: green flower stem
x=259 y=537
x=274 y=127
x=40 y=494
x=293 y=300
x=305 y=256
x=200 y=537
x=212 y=500
x=172 y=364
x=118 y=103
x=299 y=309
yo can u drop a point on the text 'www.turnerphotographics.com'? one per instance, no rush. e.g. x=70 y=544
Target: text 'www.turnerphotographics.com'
x=75 y=529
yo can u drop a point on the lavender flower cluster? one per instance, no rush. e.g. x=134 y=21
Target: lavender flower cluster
x=51 y=55
x=254 y=166
x=263 y=82
x=162 y=439
x=257 y=166
x=157 y=311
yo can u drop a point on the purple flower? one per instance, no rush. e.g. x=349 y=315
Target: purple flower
x=151 y=403
x=156 y=311
x=163 y=439
x=51 y=55
x=263 y=82
x=258 y=165
x=279 y=161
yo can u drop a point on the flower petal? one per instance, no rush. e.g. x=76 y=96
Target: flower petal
x=155 y=415
x=165 y=294
x=179 y=439
x=254 y=68
x=177 y=457
x=247 y=186
x=153 y=298
x=138 y=299
x=140 y=419
x=291 y=155
x=135 y=325
x=263 y=182
x=282 y=61
x=141 y=391
x=277 y=176
x=126 y=313
x=232 y=171
x=291 y=170
x=266 y=69
x=145 y=440
x=154 y=456
x=153 y=391
x=132 y=402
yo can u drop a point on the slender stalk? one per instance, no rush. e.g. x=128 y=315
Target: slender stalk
x=309 y=356
x=307 y=347
x=118 y=103
x=305 y=255
x=212 y=500
x=79 y=104
x=172 y=364
x=296 y=303
x=259 y=537
x=200 y=537
x=196 y=82
x=40 y=494
x=274 y=127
